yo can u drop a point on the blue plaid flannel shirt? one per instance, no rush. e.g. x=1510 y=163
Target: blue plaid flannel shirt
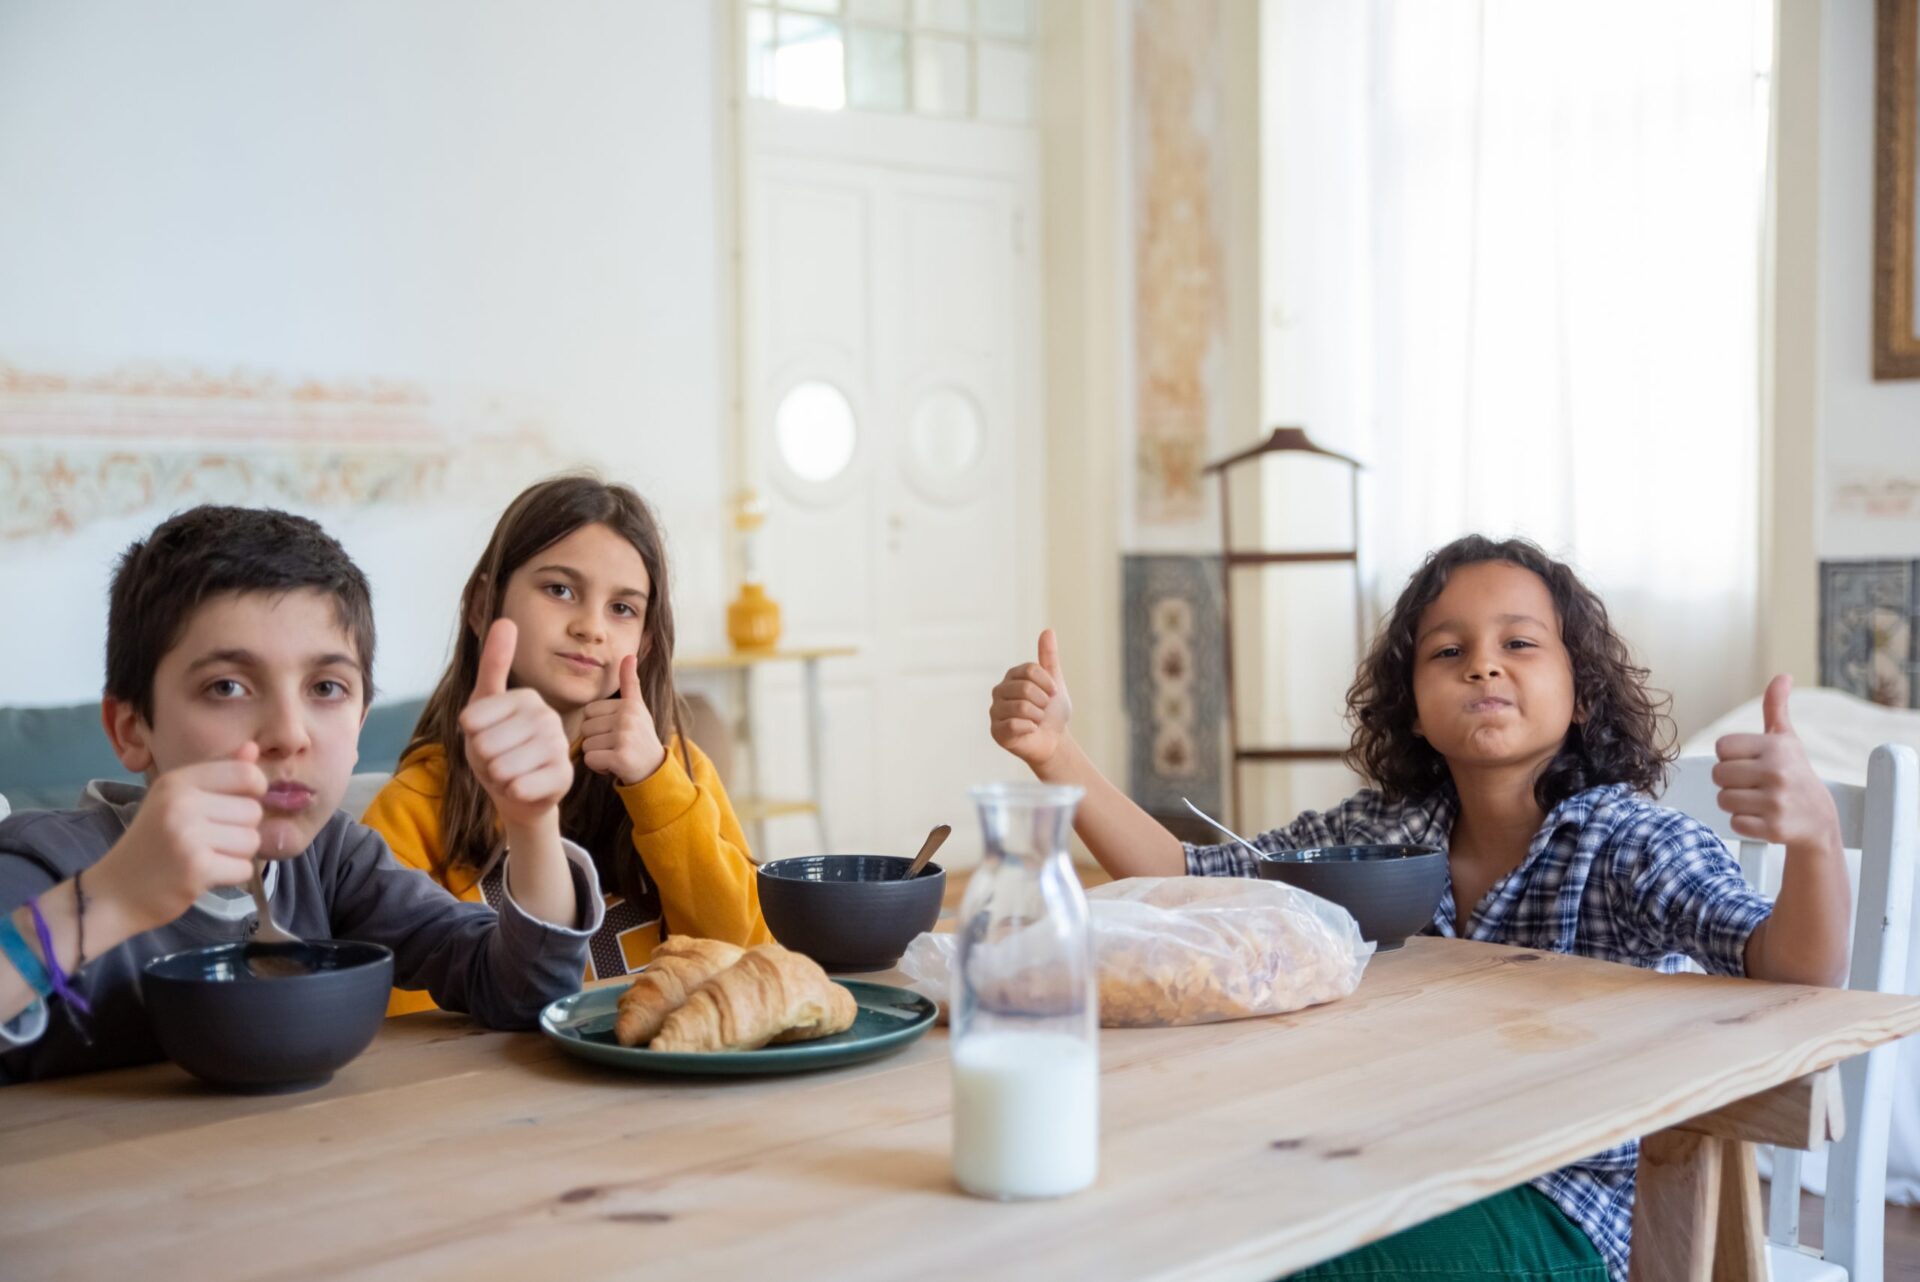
x=1609 y=875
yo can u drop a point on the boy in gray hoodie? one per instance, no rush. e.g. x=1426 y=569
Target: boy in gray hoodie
x=239 y=670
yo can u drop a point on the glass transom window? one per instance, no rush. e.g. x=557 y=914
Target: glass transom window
x=955 y=59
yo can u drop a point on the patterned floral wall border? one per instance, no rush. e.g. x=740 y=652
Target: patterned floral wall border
x=76 y=449
x=1175 y=688
x=1878 y=498
x=1868 y=617
x=1179 y=284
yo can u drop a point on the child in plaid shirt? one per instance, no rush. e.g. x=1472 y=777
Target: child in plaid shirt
x=1500 y=717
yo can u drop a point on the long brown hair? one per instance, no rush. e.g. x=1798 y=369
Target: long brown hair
x=1623 y=736
x=592 y=813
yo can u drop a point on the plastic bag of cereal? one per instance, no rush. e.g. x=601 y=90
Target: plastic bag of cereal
x=1195 y=950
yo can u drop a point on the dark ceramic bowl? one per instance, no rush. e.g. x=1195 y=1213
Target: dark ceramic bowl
x=1390 y=890
x=226 y=1025
x=849 y=912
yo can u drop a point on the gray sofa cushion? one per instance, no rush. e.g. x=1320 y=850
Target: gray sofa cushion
x=47 y=755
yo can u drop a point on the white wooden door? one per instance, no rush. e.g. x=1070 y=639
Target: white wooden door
x=893 y=294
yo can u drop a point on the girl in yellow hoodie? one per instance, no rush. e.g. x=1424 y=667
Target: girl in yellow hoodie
x=579 y=566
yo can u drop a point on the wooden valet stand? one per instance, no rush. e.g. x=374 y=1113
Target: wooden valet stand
x=1282 y=440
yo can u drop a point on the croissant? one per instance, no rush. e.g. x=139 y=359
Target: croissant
x=769 y=992
x=838 y=1017
x=680 y=964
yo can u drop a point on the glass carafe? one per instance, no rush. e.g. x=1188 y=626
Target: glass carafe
x=1024 y=1007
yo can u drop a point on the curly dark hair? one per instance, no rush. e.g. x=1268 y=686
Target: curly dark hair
x=1623 y=736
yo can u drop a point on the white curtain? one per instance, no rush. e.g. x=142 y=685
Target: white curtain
x=1556 y=212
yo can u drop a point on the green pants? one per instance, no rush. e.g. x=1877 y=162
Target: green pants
x=1519 y=1234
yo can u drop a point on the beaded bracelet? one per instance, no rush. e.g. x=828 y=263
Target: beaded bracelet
x=79 y=924
x=60 y=985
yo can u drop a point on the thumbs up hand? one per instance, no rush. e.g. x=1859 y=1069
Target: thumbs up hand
x=1031 y=707
x=617 y=735
x=515 y=743
x=1767 y=784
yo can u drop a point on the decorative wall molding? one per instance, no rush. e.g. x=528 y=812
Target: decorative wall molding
x=76 y=449
x=1880 y=498
x=1179 y=285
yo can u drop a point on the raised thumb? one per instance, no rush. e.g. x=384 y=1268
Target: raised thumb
x=1774 y=705
x=1050 y=654
x=496 y=659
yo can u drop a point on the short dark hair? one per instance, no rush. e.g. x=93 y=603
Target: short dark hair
x=209 y=551
x=1624 y=735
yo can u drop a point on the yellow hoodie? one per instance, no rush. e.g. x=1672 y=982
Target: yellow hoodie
x=693 y=853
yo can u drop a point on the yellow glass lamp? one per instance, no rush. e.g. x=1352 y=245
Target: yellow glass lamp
x=753 y=619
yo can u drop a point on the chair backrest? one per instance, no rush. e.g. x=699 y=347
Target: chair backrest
x=1882 y=822
x=711 y=734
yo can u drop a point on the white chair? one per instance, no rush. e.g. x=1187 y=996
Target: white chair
x=1882 y=822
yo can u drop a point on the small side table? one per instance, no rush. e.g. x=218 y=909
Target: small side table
x=754 y=808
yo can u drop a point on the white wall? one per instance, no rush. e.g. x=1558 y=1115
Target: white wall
x=1316 y=335
x=1789 y=348
x=1869 y=432
x=1082 y=102
x=501 y=199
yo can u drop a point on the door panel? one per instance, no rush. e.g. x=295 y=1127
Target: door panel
x=909 y=290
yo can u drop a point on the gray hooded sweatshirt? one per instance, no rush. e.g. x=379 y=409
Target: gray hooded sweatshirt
x=502 y=968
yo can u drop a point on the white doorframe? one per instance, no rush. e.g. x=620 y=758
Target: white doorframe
x=776 y=136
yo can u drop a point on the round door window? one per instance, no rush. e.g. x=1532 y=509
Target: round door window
x=815 y=431
x=946 y=434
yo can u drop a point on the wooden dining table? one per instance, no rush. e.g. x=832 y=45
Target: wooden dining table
x=1239 y=1150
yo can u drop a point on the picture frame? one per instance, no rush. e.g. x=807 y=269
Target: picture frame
x=1896 y=231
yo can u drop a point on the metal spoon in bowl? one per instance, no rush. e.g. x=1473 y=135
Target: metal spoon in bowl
x=1258 y=853
x=271 y=965
x=927 y=847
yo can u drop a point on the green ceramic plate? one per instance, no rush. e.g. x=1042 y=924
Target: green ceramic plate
x=889 y=1019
